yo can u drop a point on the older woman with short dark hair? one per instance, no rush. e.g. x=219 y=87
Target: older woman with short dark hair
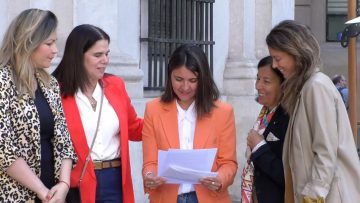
x=267 y=136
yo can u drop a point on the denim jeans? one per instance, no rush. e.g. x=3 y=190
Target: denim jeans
x=187 y=198
x=109 y=186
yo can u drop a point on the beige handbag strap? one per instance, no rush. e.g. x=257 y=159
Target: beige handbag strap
x=93 y=141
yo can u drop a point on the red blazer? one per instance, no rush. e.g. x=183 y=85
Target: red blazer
x=130 y=125
x=216 y=130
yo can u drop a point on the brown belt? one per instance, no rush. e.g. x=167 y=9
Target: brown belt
x=115 y=163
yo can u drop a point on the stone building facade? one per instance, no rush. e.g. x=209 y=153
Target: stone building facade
x=240 y=28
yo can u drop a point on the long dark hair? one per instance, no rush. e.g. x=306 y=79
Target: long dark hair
x=71 y=72
x=195 y=60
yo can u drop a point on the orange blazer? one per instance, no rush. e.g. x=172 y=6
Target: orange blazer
x=130 y=126
x=217 y=130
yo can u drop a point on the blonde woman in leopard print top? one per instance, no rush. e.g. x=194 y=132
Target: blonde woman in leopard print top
x=35 y=149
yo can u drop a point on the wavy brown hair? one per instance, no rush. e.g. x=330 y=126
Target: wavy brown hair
x=297 y=40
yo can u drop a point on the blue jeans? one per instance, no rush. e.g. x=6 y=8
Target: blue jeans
x=109 y=186
x=189 y=197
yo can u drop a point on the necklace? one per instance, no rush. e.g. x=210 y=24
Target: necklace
x=93 y=105
x=92 y=102
x=91 y=99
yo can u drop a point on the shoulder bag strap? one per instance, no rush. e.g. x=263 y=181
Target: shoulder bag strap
x=93 y=142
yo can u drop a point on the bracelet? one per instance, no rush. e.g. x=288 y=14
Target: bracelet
x=148 y=173
x=67 y=184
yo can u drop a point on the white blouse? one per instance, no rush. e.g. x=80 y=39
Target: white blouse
x=186 y=124
x=107 y=143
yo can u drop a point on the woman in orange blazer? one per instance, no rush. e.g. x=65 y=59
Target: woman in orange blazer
x=83 y=82
x=189 y=116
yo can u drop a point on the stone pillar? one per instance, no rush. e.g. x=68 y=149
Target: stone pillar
x=248 y=30
x=111 y=17
x=4 y=21
x=239 y=78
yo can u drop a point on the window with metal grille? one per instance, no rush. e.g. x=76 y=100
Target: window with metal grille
x=336 y=16
x=172 y=23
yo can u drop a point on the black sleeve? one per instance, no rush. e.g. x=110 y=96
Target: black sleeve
x=268 y=158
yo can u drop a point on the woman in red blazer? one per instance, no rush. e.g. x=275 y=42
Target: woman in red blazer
x=189 y=116
x=87 y=91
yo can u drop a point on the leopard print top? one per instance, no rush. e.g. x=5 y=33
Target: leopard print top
x=20 y=134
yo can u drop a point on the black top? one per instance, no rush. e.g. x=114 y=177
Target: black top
x=46 y=135
x=269 y=172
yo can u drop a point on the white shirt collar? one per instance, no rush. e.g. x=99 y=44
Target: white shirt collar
x=189 y=114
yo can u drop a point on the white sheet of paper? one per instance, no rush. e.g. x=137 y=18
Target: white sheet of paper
x=186 y=166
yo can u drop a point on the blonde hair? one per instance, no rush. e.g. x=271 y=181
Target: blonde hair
x=24 y=35
x=297 y=40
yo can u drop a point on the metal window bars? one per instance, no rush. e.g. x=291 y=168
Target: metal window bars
x=172 y=23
